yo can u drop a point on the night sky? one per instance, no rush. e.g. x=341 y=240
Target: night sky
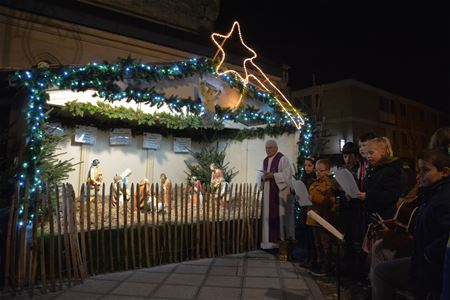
x=400 y=47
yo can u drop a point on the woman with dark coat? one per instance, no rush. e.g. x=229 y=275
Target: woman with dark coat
x=382 y=185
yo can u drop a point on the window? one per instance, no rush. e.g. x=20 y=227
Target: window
x=394 y=137
x=384 y=104
x=422 y=115
x=403 y=110
x=392 y=106
x=404 y=139
x=387 y=105
x=308 y=101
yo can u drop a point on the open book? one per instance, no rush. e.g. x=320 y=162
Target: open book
x=326 y=225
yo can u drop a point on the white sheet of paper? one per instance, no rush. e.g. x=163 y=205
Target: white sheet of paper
x=326 y=225
x=302 y=192
x=259 y=174
x=347 y=182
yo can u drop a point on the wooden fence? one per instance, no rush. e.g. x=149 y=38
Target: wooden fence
x=72 y=238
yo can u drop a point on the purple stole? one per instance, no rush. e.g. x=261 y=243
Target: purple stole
x=274 y=199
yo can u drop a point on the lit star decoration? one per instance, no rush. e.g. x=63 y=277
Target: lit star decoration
x=269 y=86
x=103 y=78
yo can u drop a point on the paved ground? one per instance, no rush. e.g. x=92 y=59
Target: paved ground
x=251 y=275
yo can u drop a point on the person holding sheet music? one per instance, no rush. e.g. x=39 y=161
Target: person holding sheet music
x=275 y=177
x=352 y=217
x=382 y=184
x=303 y=232
x=362 y=146
x=322 y=196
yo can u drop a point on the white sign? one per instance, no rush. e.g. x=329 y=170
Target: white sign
x=151 y=140
x=181 y=145
x=85 y=134
x=120 y=136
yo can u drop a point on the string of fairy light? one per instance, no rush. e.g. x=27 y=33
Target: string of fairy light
x=267 y=85
x=103 y=78
x=304 y=150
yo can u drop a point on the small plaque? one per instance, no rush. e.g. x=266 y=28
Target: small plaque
x=85 y=134
x=152 y=141
x=181 y=145
x=120 y=136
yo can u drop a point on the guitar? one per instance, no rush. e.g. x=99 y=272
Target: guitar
x=397 y=232
x=398 y=237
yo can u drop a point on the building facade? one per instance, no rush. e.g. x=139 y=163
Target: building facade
x=349 y=108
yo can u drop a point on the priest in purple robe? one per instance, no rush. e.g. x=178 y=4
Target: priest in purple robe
x=275 y=177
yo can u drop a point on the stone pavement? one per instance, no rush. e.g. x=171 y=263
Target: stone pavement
x=250 y=275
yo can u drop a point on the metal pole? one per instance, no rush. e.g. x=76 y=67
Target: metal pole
x=338 y=271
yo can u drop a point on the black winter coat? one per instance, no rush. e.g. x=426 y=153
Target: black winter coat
x=431 y=233
x=383 y=187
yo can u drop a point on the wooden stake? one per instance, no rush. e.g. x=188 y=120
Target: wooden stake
x=232 y=204
x=204 y=218
x=111 y=257
x=198 y=222
x=208 y=221
x=97 y=241
x=22 y=234
x=147 y=255
x=119 y=265
x=169 y=230
x=154 y=207
x=132 y=203
x=138 y=217
x=88 y=226
x=191 y=226
x=176 y=225
x=236 y=203
x=34 y=245
x=102 y=232
x=10 y=240
x=223 y=222
x=41 y=250
x=83 y=199
x=238 y=238
x=58 y=225
x=52 y=240
x=218 y=242
x=182 y=225
x=125 y=227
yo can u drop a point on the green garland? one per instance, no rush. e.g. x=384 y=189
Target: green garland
x=105 y=111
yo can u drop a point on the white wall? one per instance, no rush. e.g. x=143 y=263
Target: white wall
x=246 y=157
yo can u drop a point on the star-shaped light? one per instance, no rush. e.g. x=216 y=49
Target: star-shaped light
x=267 y=85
